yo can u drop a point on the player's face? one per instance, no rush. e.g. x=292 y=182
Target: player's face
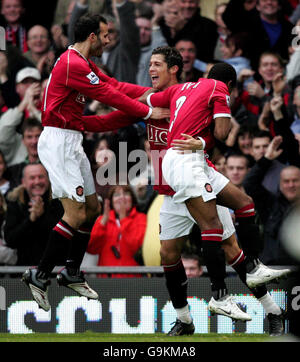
x=159 y=72
x=101 y=42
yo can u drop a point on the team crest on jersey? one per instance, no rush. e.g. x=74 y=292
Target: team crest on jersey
x=93 y=78
x=208 y=187
x=79 y=190
x=228 y=100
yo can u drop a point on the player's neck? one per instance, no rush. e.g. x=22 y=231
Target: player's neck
x=83 y=48
x=172 y=82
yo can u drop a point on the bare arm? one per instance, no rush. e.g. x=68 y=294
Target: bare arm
x=222 y=128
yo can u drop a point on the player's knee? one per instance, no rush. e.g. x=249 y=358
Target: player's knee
x=211 y=222
x=168 y=254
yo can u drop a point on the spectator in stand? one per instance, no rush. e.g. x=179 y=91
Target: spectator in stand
x=273 y=209
x=31 y=130
x=188 y=52
x=237 y=169
x=39 y=53
x=118 y=234
x=28 y=88
x=234 y=51
x=221 y=28
x=191 y=263
x=257 y=94
x=151 y=37
x=8 y=256
x=15 y=32
x=264 y=22
x=183 y=21
x=260 y=143
x=31 y=215
x=4 y=182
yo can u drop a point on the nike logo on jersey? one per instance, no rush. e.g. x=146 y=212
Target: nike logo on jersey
x=93 y=78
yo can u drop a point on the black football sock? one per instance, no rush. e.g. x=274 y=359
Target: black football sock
x=176 y=282
x=248 y=232
x=58 y=245
x=214 y=260
x=78 y=248
x=240 y=265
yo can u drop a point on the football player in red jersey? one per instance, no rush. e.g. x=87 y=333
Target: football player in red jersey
x=73 y=78
x=176 y=222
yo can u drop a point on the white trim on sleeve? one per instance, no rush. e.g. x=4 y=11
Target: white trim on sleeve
x=227 y=115
x=148 y=100
x=149 y=114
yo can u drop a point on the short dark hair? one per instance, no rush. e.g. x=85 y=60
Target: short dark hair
x=172 y=57
x=30 y=123
x=223 y=72
x=238 y=155
x=86 y=25
x=262 y=134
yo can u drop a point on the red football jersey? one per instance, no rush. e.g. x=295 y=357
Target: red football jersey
x=193 y=106
x=74 y=78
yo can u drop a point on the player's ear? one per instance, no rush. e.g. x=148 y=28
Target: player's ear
x=174 y=69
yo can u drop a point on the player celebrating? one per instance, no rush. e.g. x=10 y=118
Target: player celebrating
x=60 y=150
x=176 y=221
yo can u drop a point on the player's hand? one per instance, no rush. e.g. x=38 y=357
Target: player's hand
x=160 y=113
x=189 y=143
x=255 y=89
x=272 y=151
x=106 y=210
x=143 y=98
x=36 y=208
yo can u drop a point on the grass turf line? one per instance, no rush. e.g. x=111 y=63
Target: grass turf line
x=109 y=337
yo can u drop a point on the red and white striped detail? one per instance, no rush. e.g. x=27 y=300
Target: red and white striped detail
x=212 y=235
x=173 y=267
x=63 y=230
x=237 y=259
x=83 y=230
x=245 y=211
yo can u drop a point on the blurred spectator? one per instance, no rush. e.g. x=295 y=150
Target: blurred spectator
x=39 y=53
x=219 y=161
x=237 y=169
x=273 y=209
x=234 y=51
x=260 y=143
x=31 y=215
x=4 y=183
x=264 y=22
x=188 y=52
x=12 y=12
x=28 y=88
x=258 y=93
x=8 y=256
x=221 y=28
x=118 y=234
x=191 y=263
x=182 y=20
x=150 y=38
x=31 y=130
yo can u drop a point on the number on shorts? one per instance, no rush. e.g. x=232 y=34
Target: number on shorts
x=179 y=104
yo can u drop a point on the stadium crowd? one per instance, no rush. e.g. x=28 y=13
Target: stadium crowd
x=261 y=155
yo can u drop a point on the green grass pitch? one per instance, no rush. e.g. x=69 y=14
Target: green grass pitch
x=159 y=337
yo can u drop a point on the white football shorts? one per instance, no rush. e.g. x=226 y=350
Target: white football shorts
x=61 y=152
x=190 y=176
x=176 y=220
